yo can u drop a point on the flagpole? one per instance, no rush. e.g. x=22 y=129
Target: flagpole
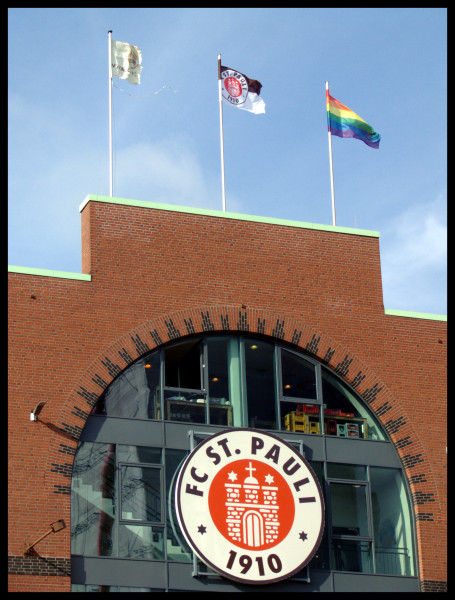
x=330 y=154
x=221 y=133
x=111 y=177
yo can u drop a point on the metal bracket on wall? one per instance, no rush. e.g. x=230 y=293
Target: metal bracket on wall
x=54 y=527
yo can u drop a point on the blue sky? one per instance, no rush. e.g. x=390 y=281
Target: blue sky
x=389 y=65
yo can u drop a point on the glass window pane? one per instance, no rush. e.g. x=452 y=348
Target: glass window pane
x=220 y=414
x=139 y=454
x=218 y=379
x=151 y=364
x=220 y=406
x=321 y=559
x=140 y=541
x=140 y=492
x=343 y=471
x=93 y=500
x=184 y=406
x=92 y=587
x=349 y=509
x=298 y=376
x=392 y=523
x=135 y=392
x=177 y=548
x=183 y=365
x=300 y=417
x=344 y=413
x=349 y=555
x=260 y=384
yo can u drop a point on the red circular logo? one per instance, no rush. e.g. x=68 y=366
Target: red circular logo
x=233 y=86
x=251 y=505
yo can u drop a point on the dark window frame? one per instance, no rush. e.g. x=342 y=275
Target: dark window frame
x=130 y=521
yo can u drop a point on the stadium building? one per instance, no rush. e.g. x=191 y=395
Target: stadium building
x=188 y=326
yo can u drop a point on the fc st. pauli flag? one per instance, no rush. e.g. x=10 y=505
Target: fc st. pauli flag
x=126 y=61
x=241 y=91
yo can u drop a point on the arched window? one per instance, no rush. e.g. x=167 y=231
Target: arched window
x=152 y=415
x=239 y=381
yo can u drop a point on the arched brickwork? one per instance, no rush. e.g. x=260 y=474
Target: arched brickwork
x=166 y=328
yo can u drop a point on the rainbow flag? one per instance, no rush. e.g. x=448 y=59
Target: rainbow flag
x=345 y=123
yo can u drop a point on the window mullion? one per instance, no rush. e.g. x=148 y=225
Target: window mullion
x=242 y=365
x=278 y=385
x=204 y=378
x=370 y=519
x=319 y=398
x=162 y=382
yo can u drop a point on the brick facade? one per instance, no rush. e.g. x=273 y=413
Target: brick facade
x=158 y=274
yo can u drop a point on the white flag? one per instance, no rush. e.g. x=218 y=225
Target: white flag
x=241 y=91
x=126 y=61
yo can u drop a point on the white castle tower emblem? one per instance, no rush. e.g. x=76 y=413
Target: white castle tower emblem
x=250 y=506
x=252 y=510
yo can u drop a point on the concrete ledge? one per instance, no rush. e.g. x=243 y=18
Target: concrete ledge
x=415 y=315
x=49 y=273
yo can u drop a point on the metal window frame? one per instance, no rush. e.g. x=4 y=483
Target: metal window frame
x=296 y=399
x=371 y=538
x=140 y=522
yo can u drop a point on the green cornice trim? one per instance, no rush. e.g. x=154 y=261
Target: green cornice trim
x=225 y=215
x=49 y=273
x=415 y=315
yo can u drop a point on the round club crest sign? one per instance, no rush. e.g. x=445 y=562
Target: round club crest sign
x=234 y=86
x=250 y=506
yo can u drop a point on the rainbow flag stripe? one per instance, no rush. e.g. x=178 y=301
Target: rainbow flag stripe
x=345 y=123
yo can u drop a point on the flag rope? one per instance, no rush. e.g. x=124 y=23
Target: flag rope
x=146 y=95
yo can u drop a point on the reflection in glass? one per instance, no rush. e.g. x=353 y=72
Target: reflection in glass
x=339 y=401
x=392 y=522
x=351 y=555
x=220 y=408
x=184 y=406
x=183 y=365
x=298 y=376
x=260 y=384
x=218 y=369
x=321 y=558
x=349 y=509
x=177 y=548
x=140 y=493
x=140 y=541
x=240 y=374
x=344 y=471
x=139 y=454
x=135 y=392
x=93 y=500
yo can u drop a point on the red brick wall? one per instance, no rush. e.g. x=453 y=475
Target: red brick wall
x=158 y=275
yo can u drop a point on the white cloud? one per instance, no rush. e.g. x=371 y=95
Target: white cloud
x=414 y=259
x=168 y=172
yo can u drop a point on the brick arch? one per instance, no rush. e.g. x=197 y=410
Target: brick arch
x=151 y=334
